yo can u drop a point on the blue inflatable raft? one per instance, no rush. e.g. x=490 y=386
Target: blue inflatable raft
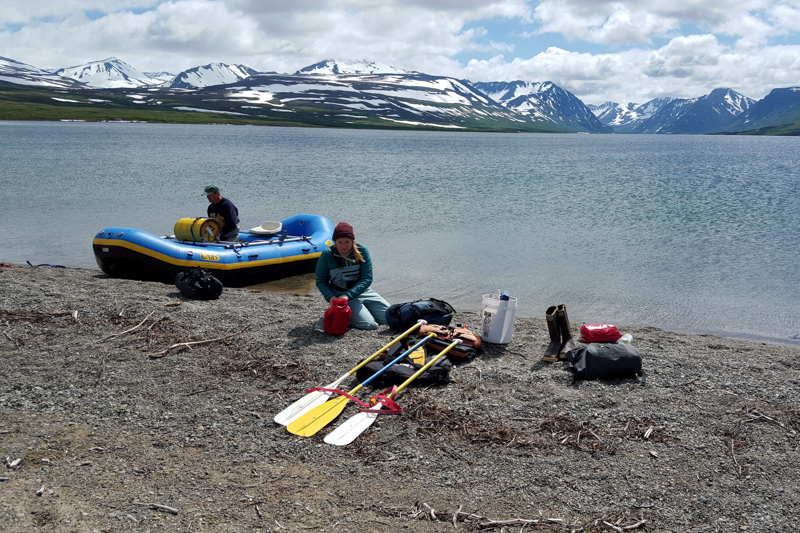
x=273 y=250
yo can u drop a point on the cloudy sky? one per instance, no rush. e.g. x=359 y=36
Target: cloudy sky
x=623 y=51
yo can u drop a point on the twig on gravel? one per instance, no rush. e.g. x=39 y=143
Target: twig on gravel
x=590 y=431
x=158 y=507
x=734 y=457
x=137 y=326
x=612 y=526
x=757 y=416
x=455 y=454
x=22 y=315
x=164 y=352
x=605 y=523
x=423 y=511
x=155 y=322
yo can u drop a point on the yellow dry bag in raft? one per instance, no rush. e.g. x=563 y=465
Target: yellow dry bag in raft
x=197 y=230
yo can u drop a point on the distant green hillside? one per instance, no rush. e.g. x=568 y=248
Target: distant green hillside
x=29 y=103
x=21 y=102
x=792 y=129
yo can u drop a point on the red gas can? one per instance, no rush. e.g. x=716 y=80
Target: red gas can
x=337 y=317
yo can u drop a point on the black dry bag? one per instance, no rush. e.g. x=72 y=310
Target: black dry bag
x=402 y=316
x=605 y=361
x=198 y=284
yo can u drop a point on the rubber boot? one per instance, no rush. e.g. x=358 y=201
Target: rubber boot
x=551 y=353
x=567 y=342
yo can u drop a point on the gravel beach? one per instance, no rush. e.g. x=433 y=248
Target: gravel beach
x=126 y=407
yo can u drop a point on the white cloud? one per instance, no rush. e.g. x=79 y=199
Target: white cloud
x=614 y=50
x=615 y=22
x=25 y=11
x=601 y=22
x=686 y=67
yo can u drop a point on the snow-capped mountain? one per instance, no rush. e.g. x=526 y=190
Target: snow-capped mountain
x=625 y=118
x=163 y=77
x=545 y=102
x=108 y=73
x=705 y=114
x=371 y=94
x=778 y=108
x=333 y=66
x=12 y=71
x=412 y=99
x=211 y=74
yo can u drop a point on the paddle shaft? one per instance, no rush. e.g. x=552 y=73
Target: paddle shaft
x=316 y=398
x=359 y=423
x=419 y=343
x=392 y=343
x=427 y=365
x=319 y=417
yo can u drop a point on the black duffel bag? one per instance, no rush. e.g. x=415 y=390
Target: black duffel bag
x=605 y=361
x=198 y=284
x=402 y=316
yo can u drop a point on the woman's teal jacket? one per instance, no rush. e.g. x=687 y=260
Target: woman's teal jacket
x=338 y=277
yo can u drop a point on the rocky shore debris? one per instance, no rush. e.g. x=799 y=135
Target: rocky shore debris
x=102 y=436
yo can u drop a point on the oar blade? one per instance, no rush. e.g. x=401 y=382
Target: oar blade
x=306 y=403
x=351 y=428
x=317 y=418
x=301 y=407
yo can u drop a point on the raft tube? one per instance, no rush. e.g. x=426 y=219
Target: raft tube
x=255 y=258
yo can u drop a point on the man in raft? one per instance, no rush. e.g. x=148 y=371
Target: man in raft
x=223 y=211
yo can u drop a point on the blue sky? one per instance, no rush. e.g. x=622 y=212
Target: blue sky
x=620 y=51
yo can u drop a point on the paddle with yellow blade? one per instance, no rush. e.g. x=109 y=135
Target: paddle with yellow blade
x=322 y=415
x=318 y=397
x=359 y=423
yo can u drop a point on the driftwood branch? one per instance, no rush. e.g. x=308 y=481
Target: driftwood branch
x=423 y=511
x=164 y=352
x=73 y=314
x=758 y=416
x=23 y=315
x=158 y=507
x=137 y=326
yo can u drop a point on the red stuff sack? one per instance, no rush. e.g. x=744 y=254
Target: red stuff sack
x=600 y=333
x=337 y=317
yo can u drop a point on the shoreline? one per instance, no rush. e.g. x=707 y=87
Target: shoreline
x=101 y=435
x=305 y=287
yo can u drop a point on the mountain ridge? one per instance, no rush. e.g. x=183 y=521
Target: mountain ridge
x=414 y=99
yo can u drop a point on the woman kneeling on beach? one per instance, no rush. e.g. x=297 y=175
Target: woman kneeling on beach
x=344 y=270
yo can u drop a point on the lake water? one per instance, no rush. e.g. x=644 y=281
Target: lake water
x=688 y=233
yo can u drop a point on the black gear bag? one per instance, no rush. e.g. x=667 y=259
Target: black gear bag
x=402 y=316
x=437 y=374
x=605 y=361
x=198 y=284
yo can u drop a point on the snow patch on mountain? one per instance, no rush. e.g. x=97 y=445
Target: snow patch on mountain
x=107 y=74
x=544 y=102
x=163 y=77
x=211 y=74
x=334 y=66
x=625 y=118
x=13 y=71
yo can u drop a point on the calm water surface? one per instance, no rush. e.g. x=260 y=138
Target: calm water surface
x=690 y=233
